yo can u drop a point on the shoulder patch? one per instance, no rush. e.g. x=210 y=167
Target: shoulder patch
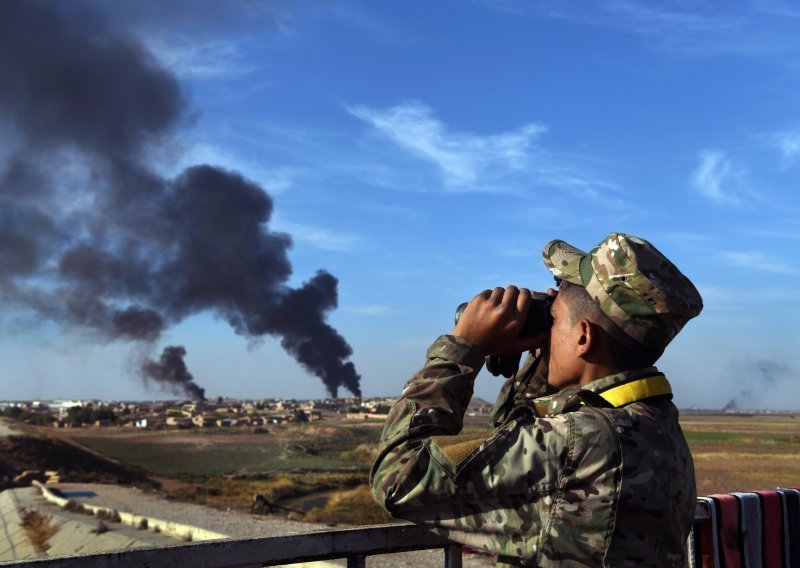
x=457 y=448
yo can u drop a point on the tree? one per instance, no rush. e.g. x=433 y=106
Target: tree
x=80 y=414
x=104 y=414
x=13 y=412
x=42 y=419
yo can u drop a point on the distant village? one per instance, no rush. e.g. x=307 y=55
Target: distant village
x=227 y=412
x=220 y=412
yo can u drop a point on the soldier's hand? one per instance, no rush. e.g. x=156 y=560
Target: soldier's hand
x=493 y=319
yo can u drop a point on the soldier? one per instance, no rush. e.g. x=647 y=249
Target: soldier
x=586 y=464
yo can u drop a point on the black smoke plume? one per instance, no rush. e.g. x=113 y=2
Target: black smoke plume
x=170 y=369
x=93 y=237
x=760 y=377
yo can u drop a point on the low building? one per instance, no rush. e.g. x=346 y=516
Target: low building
x=179 y=422
x=204 y=421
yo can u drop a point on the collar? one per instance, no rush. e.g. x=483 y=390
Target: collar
x=615 y=390
x=630 y=386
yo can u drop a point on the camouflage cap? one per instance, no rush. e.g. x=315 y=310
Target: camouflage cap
x=637 y=287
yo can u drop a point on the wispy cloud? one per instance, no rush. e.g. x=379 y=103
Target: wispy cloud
x=777 y=7
x=461 y=156
x=759 y=262
x=363 y=19
x=776 y=233
x=508 y=162
x=274 y=180
x=653 y=18
x=373 y=310
x=738 y=300
x=198 y=60
x=319 y=237
x=718 y=178
x=396 y=211
x=787 y=143
x=706 y=28
x=689 y=239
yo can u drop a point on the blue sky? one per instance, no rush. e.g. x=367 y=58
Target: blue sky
x=424 y=151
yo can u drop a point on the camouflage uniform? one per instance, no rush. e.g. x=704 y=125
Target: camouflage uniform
x=563 y=478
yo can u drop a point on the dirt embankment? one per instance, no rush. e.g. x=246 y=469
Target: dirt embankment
x=73 y=462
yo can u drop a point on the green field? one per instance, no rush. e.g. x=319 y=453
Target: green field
x=741 y=452
x=200 y=453
x=327 y=466
x=322 y=470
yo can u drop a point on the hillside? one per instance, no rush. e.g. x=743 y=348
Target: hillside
x=34 y=450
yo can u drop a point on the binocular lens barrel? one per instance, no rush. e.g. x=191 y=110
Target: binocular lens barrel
x=539 y=318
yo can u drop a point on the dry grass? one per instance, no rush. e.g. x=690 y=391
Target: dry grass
x=200 y=454
x=326 y=466
x=743 y=453
x=238 y=493
x=108 y=515
x=75 y=507
x=101 y=528
x=38 y=529
x=731 y=453
x=353 y=507
x=362 y=453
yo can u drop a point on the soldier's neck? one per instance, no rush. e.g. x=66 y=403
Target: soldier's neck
x=593 y=370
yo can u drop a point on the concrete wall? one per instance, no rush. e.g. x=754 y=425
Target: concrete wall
x=177 y=530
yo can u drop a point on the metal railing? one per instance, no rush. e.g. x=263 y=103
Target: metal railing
x=352 y=544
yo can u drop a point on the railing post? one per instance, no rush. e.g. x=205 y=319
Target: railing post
x=452 y=556
x=357 y=561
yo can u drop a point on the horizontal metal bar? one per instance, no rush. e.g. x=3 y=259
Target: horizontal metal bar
x=266 y=551
x=269 y=551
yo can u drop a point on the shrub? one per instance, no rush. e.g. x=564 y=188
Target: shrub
x=101 y=528
x=352 y=507
x=38 y=529
x=108 y=515
x=75 y=507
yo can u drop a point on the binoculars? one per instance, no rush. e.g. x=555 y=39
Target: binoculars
x=538 y=320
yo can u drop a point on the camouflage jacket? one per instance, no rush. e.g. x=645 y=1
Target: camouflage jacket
x=555 y=483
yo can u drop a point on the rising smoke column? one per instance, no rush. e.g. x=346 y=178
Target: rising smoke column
x=170 y=369
x=95 y=239
x=759 y=377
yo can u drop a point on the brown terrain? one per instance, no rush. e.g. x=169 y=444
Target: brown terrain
x=315 y=475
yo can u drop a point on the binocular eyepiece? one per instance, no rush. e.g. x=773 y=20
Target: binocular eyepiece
x=539 y=319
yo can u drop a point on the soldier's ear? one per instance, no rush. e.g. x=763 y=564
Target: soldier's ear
x=586 y=339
